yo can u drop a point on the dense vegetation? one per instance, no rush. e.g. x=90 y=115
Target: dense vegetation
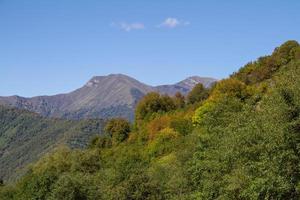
x=239 y=140
x=25 y=137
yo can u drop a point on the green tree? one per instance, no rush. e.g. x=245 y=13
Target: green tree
x=153 y=103
x=250 y=152
x=74 y=187
x=118 y=129
x=182 y=125
x=265 y=67
x=179 y=100
x=8 y=193
x=231 y=87
x=102 y=141
x=198 y=94
x=37 y=186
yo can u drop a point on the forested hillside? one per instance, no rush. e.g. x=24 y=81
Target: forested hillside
x=25 y=137
x=238 y=140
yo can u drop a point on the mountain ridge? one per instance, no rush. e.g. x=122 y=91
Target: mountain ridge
x=114 y=95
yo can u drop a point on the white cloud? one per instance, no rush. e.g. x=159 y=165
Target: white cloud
x=173 y=22
x=128 y=26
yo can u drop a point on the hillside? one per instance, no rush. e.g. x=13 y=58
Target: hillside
x=239 y=139
x=25 y=137
x=109 y=96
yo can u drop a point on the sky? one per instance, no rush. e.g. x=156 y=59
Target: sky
x=56 y=46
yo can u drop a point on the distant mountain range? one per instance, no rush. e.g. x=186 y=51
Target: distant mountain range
x=109 y=96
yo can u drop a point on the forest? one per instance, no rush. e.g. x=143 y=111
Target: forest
x=239 y=139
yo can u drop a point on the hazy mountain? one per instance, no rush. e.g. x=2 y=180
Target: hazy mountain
x=114 y=95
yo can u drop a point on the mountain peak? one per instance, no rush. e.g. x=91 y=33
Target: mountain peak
x=113 y=95
x=95 y=81
x=118 y=75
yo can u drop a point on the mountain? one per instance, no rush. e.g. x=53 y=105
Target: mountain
x=241 y=142
x=109 y=96
x=185 y=86
x=26 y=132
x=26 y=136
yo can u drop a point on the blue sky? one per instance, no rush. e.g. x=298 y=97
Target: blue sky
x=49 y=47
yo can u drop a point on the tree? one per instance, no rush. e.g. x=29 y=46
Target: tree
x=102 y=141
x=247 y=153
x=266 y=66
x=37 y=186
x=198 y=94
x=153 y=103
x=179 y=100
x=75 y=186
x=231 y=87
x=118 y=129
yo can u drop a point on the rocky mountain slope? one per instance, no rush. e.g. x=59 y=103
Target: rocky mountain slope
x=109 y=96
